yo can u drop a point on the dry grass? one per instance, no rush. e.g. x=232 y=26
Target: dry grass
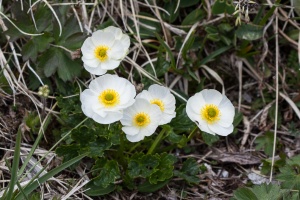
x=244 y=81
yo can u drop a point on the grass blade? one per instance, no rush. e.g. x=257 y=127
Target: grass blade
x=14 y=170
x=28 y=189
x=214 y=54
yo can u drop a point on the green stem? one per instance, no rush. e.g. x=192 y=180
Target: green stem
x=156 y=141
x=121 y=152
x=191 y=135
x=134 y=147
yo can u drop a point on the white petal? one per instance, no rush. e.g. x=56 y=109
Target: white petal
x=149 y=130
x=170 y=99
x=145 y=95
x=158 y=91
x=102 y=38
x=212 y=96
x=155 y=113
x=220 y=130
x=204 y=127
x=194 y=105
x=127 y=117
x=135 y=138
x=97 y=85
x=116 y=32
x=166 y=118
x=109 y=118
x=88 y=48
x=92 y=63
x=191 y=113
x=227 y=112
x=99 y=110
x=110 y=64
x=117 y=52
x=131 y=130
x=125 y=40
x=95 y=70
x=87 y=99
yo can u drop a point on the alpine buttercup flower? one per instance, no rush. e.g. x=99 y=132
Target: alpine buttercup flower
x=104 y=50
x=106 y=98
x=162 y=97
x=212 y=111
x=140 y=120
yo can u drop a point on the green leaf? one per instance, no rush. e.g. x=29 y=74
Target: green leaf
x=35 y=196
x=68 y=151
x=189 y=171
x=55 y=59
x=291 y=195
x=162 y=42
x=83 y=135
x=244 y=194
x=222 y=6
x=109 y=173
x=165 y=169
x=170 y=7
x=225 y=27
x=94 y=190
x=209 y=139
x=181 y=123
x=238 y=117
x=161 y=66
x=36 y=44
x=141 y=165
x=105 y=24
x=147 y=187
x=214 y=54
x=42 y=42
x=215 y=37
x=97 y=147
x=211 y=29
x=174 y=138
x=265 y=142
x=290 y=174
x=264 y=191
x=188 y=45
x=150 y=28
x=29 y=51
x=184 y=3
x=249 y=32
x=193 y=17
x=42 y=16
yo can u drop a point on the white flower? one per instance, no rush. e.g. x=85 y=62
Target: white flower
x=140 y=120
x=162 y=97
x=106 y=98
x=104 y=50
x=212 y=111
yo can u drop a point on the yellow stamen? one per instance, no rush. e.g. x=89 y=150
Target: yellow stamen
x=159 y=103
x=101 y=53
x=141 y=119
x=109 y=98
x=210 y=113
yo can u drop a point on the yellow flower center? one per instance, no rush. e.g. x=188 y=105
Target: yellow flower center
x=141 y=119
x=159 y=103
x=210 y=113
x=101 y=53
x=109 y=98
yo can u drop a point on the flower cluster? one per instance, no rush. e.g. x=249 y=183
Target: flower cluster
x=111 y=98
